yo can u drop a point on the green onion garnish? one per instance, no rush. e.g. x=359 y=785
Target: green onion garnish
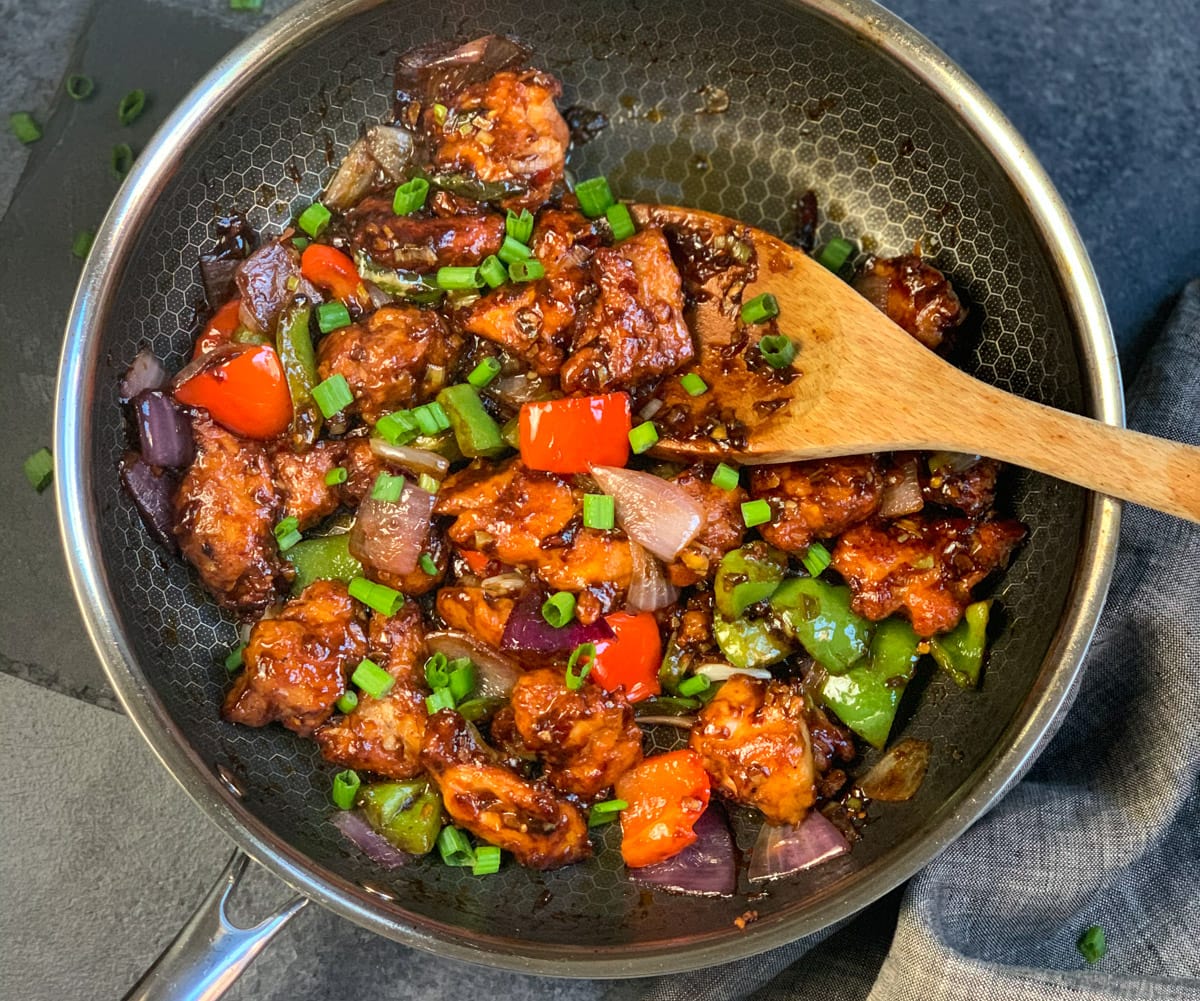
x=39 y=469
x=483 y=373
x=314 y=219
x=82 y=243
x=379 y=597
x=1092 y=944
x=440 y=699
x=332 y=316
x=693 y=385
x=388 y=488
x=760 y=309
x=431 y=418
x=756 y=512
x=620 y=221
x=333 y=395
x=233 y=661
x=372 y=678
x=398 y=428
x=643 y=437
x=487 y=861
x=287 y=533
x=346 y=702
x=595 y=196
x=458 y=278
x=22 y=125
x=120 y=160
x=835 y=254
x=579 y=665
x=338 y=474
x=131 y=107
x=512 y=251
x=79 y=87
x=493 y=271
x=426 y=563
x=436 y=673
x=519 y=227
x=559 y=609
x=694 y=685
x=428 y=483
x=725 y=477
x=454 y=847
x=345 y=788
x=816 y=560
x=598 y=512
x=462 y=681
x=777 y=349
x=526 y=271
x=410 y=196
x=606 y=812
x=250 y=5
x=300 y=242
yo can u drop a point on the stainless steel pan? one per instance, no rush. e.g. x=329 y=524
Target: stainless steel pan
x=836 y=95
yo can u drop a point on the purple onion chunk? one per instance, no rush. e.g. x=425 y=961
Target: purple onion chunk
x=153 y=494
x=369 y=841
x=526 y=629
x=784 y=850
x=164 y=431
x=145 y=372
x=705 y=868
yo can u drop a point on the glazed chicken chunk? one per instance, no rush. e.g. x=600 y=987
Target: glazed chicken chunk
x=300 y=481
x=420 y=244
x=916 y=296
x=473 y=611
x=723 y=528
x=817 y=499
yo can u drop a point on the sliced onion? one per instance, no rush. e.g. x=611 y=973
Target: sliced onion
x=353 y=178
x=679 y=722
x=513 y=391
x=391 y=536
x=526 y=629
x=153 y=494
x=418 y=460
x=874 y=287
x=164 y=431
x=717 y=672
x=650 y=409
x=145 y=372
x=392 y=148
x=369 y=841
x=898 y=775
x=654 y=512
x=705 y=868
x=216 y=272
x=496 y=673
x=377 y=295
x=267 y=280
x=437 y=70
x=903 y=496
x=784 y=850
x=648 y=588
x=503 y=584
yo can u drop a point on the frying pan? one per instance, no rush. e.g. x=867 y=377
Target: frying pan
x=834 y=95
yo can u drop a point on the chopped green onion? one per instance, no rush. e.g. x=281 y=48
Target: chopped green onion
x=458 y=278
x=22 y=125
x=233 y=661
x=398 y=428
x=694 y=685
x=39 y=469
x=333 y=395
x=314 y=219
x=462 y=681
x=816 y=560
x=760 y=309
x=431 y=418
x=381 y=598
x=526 y=271
x=725 y=477
x=598 y=512
x=131 y=107
x=835 y=254
x=332 y=316
x=595 y=196
x=426 y=563
x=79 y=87
x=410 y=196
x=493 y=271
x=287 y=533
x=693 y=385
x=512 y=251
x=428 y=483
x=440 y=111
x=388 y=488
x=440 y=699
x=777 y=349
x=579 y=665
x=756 y=512
x=475 y=430
x=300 y=242
x=643 y=437
x=454 y=847
x=606 y=812
x=483 y=373
x=559 y=609
x=121 y=159
x=345 y=788
x=338 y=474
x=436 y=674
x=251 y=5
x=620 y=221
x=346 y=702
x=1092 y=944
x=82 y=243
x=519 y=227
x=487 y=861
x=372 y=678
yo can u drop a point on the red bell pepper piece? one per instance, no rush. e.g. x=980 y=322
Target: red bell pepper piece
x=666 y=795
x=220 y=328
x=631 y=658
x=331 y=270
x=245 y=391
x=571 y=435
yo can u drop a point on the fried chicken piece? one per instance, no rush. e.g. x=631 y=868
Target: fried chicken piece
x=386 y=357
x=972 y=490
x=832 y=746
x=541 y=829
x=414 y=243
x=588 y=737
x=296 y=662
x=362 y=468
x=924 y=567
x=633 y=332
x=384 y=735
x=471 y=610
x=226 y=508
x=722 y=531
x=755 y=746
x=300 y=480
x=817 y=499
x=914 y=295
x=417 y=582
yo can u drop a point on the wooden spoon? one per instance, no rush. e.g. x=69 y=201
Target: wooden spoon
x=860 y=384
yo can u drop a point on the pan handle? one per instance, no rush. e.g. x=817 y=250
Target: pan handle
x=210 y=952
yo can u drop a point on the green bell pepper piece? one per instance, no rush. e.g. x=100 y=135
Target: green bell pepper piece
x=960 y=652
x=666 y=705
x=477 y=433
x=408 y=814
x=749 y=642
x=818 y=615
x=674 y=669
x=405 y=284
x=326 y=558
x=747 y=576
x=865 y=698
x=294 y=344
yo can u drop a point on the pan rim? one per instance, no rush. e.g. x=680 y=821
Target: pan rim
x=78 y=517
